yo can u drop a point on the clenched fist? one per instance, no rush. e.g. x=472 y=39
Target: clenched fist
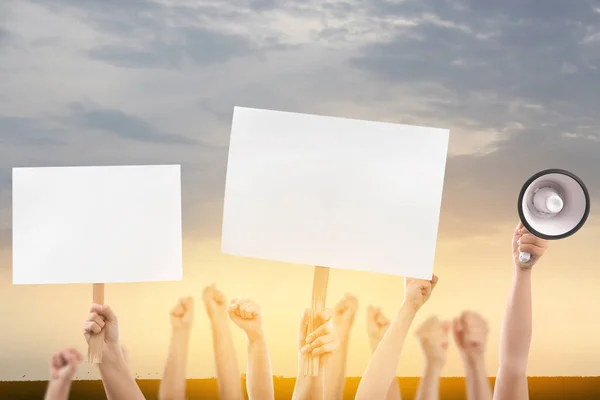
x=245 y=313
x=343 y=315
x=64 y=364
x=470 y=334
x=214 y=300
x=433 y=337
x=418 y=291
x=523 y=241
x=322 y=341
x=377 y=326
x=182 y=315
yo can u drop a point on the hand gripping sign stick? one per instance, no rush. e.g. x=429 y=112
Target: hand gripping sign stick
x=96 y=340
x=319 y=296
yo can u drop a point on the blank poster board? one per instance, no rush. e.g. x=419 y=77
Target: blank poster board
x=97 y=224
x=334 y=192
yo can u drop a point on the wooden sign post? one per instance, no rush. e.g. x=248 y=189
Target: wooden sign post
x=319 y=298
x=335 y=192
x=96 y=341
x=110 y=224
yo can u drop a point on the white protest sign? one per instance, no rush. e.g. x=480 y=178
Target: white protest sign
x=334 y=192
x=97 y=224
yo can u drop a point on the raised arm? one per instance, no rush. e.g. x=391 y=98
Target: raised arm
x=515 y=334
x=470 y=332
x=228 y=370
x=335 y=373
x=322 y=343
x=433 y=338
x=173 y=384
x=377 y=325
x=63 y=367
x=118 y=382
x=381 y=369
x=246 y=314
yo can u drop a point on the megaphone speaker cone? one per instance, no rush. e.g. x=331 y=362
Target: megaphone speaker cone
x=553 y=204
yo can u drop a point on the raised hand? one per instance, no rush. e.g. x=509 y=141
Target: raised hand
x=102 y=318
x=343 y=315
x=322 y=341
x=377 y=325
x=418 y=291
x=64 y=365
x=245 y=313
x=470 y=332
x=215 y=301
x=523 y=241
x=433 y=337
x=182 y=315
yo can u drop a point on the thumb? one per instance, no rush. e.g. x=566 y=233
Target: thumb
x=457 y=330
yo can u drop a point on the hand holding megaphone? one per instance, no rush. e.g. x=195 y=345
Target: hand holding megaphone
x=553 y=204
x=527 y=248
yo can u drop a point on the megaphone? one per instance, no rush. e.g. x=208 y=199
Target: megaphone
x=553 y=204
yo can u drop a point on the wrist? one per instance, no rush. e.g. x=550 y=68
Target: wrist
x=181 y=333
x=434 y=367
x=408 y=310
x=112 y=356
x=256 y=337
x=61 y=381
x=473 y=360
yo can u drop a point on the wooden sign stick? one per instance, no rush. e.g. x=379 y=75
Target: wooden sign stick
x=319 y=295
x=96 y=340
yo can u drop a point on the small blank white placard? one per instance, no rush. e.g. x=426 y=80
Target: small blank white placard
x=334 y=192
x=97 y=224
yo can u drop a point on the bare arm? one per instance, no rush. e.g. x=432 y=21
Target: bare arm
x=515 y=340
x=173 y=384
x=381 y=369
x=309 y=387
x=118 y=382
x=58 y=389
x=259 y=381
x=228 y=370
x=478 y=384
x=429 y=384
x=335 y=373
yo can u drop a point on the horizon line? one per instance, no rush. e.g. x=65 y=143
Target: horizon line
x=348 y=377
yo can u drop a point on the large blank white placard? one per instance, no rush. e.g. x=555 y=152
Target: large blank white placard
x=97 y=224
x=334 y=192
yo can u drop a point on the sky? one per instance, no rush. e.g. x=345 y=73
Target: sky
x=106 y=82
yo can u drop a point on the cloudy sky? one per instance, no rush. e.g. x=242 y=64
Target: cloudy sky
x=104 y=82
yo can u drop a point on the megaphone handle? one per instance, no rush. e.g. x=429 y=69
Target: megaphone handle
x=524 y=257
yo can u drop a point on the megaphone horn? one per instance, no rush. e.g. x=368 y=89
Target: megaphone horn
x=553 y=204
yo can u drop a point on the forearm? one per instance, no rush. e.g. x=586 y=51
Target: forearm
x=429 y=384
x=335 y=373
x=515 y=336
x=394 y=391
x=58 y=389
x=118 y=382
x=173 y=384
x=515 y=339
x=259 y=378
x=384 y=362
x=228 y=370
x=309 y=387
x=477 y=381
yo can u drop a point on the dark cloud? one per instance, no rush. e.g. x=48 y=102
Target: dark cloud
x=120 y=124
x=186 y=45
x=19 y=131
x=517 y=62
